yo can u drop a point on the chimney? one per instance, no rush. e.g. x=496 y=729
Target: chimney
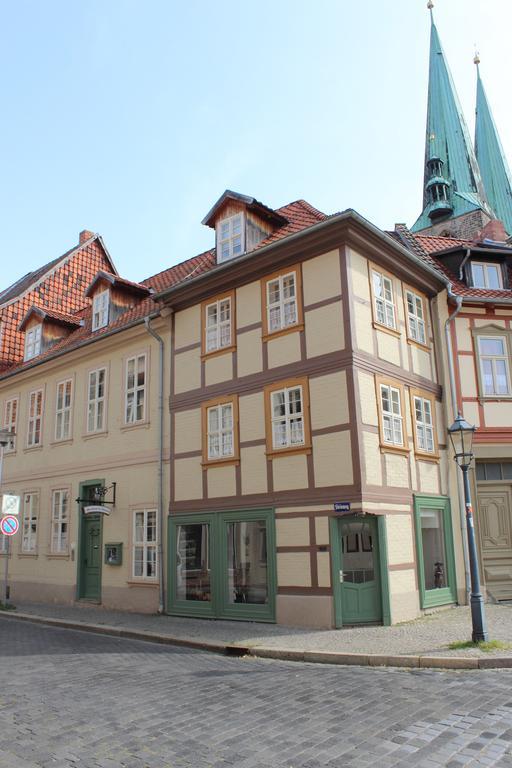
x=84 y=235
x=493 y=230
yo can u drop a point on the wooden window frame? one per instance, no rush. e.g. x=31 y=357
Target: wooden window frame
x=144 y=544
x=485 y=265
x=59 y=520
x=63 y=410
x=376 y=323
x=220 y=241
x=223 y=460
x=33 y=419
x=11 y=424
x=272 y=452
x=88 y=401
x=299 y=325
x=205 y=354
x=492 y=332
x=103 y=312
x=33 y=550
x=33 y=340
x=135 y=389
x=420 y=452
x=424 y=301
x=386 y=447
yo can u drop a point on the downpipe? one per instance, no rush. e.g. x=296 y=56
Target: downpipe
x=160 y=341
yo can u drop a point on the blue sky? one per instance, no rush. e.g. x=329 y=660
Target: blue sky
x=131 y=117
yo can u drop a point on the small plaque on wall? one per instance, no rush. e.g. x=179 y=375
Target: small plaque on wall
x=113 y=554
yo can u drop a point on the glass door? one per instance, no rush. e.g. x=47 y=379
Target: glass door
x=190 y=573
x=357 y=588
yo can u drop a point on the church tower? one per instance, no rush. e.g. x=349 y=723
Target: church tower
x=491 y=158
x=454 y=200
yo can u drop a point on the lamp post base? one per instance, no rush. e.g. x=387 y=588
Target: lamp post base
x=480 y=632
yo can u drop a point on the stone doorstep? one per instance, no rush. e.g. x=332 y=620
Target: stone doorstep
x=343 y=658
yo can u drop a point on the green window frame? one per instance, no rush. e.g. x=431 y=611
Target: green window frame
x=445 y=594
x=219 y=605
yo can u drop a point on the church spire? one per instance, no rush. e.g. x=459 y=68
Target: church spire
x=491 y=157
x=452 y=184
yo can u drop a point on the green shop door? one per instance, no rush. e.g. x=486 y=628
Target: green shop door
x=356 y=570
x=89 y=576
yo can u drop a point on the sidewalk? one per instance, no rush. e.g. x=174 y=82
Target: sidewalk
x=420 y=643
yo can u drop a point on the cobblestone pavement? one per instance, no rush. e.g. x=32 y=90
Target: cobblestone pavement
x=81 y=700
x=428 y=635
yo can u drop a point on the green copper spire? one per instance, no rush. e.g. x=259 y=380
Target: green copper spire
x=491 y=158
x=452 y=183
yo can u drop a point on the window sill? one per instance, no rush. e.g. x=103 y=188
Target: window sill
x=282 y=332
x=136 y=425
x=31 y=448
x=386 y=329
x=57 y=556
x=217 y=352
x=10 y=453
x=141 y=583
x=275 y=453
x=394 y=449
x=494 y=398
x=232 y=460
x=414 y=343
x=64 y=441
x=28 y=554
x=92 y=435
x=424 y=456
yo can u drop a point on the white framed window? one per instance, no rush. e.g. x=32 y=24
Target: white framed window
x=385 y=312
x=416 y=317
x=100 y=307
x=63 y=406
x=35 y=418
x=392 y=417
x=96 y=400
x=486 y=275
x=287 y=415
x=135 y=396
x=60 y=521
x=145 y=538
x=33 y=342
x=11 y=422
x=424 y=424
x=230 y=236
x=29 y=524
x=282 y=302
x=494 y=365
x=218 y=325
x=220 y=438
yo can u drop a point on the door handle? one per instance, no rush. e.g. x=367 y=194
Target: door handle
x=341 y=577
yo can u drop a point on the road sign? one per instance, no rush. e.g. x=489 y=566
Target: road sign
x=10 y=504
x=9 y=525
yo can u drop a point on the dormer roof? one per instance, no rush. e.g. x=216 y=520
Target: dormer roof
x=250 y=203
x=60 y=318
x=118 y=282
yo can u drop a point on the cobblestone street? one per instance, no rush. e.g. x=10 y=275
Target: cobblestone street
x=77 y=699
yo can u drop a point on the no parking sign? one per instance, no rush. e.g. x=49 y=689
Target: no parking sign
x=9 y=525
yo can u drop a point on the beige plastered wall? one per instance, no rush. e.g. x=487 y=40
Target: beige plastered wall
x=127 y=455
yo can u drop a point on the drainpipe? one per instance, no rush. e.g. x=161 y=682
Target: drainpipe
x=161 y=595
x=451 y=373
x=463 y=264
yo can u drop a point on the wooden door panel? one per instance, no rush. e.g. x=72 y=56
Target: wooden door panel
x=495 y=533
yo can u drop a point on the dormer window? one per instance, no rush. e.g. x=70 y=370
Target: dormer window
x=100 y=305
x=230 y=236
x=486 y=275
x=33 y=342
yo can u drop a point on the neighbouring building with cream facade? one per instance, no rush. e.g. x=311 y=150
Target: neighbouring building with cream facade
x=265 y=423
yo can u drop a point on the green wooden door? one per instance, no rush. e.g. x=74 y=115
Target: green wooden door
x=90 y=582
x=358 y=578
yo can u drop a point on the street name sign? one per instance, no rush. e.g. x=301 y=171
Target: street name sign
x=342 y=507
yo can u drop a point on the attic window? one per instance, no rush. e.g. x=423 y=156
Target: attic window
x=486 y=275
x=100 y=305
x=33 y=342
x=230 y=235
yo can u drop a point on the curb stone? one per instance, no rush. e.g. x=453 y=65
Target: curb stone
x=342 y=658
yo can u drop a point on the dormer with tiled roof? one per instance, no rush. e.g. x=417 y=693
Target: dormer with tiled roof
x=241 y=223
x=112 y=296
x=43 y=328
x=58 y=285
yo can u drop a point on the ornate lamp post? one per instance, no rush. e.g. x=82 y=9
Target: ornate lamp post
x=461 y=437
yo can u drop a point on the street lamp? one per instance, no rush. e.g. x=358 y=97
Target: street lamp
x=5 y=437
x=461 y=437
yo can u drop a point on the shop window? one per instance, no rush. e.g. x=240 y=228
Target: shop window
x=434 y=544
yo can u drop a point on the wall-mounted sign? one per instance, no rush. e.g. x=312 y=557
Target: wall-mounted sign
x=96 y=509
x=10 y=504
x=342 y=507
x=114 y=554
